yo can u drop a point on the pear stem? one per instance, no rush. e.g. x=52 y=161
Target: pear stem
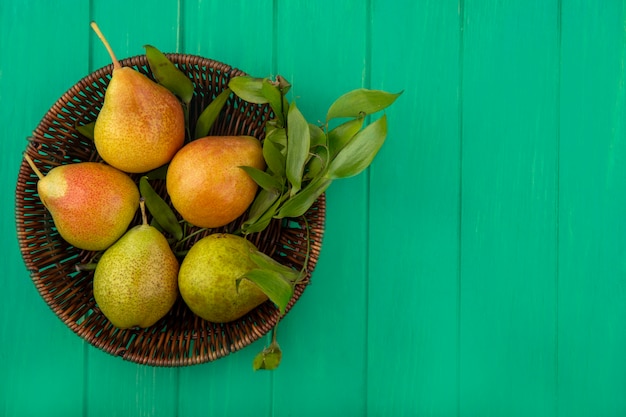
x=144 y=216
x=116 y=63
x=33 y=166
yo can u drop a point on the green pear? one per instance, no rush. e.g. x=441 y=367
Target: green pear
x=141 y=124
x=91 y=204
x=208 y=278
x=135 y=281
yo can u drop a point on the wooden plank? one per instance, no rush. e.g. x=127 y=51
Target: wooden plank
x=116 y=387
x=414 y=212
x=508 y=230
x=130 y=26
x=38 y=63
x=241 y=36
x=120 y=388
x=592 y=305
x=321 y=47
x=227 y=387
x=236 y=33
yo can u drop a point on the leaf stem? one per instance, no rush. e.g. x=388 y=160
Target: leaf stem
x=186 y=238
x=308 y=247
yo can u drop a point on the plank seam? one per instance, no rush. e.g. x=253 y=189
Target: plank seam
x=461 y=12
x=559 y=5
x=180 y=32
x=367 y=82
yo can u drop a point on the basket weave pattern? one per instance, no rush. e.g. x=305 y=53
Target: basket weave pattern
x=180 y=338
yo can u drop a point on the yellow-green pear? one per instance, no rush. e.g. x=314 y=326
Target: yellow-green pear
x=92 y=204
x=141 y=124
x=208 y=275
x=135 y=281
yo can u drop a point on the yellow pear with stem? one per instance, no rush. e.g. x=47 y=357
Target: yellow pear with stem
x=141 y=124
x=91 y=203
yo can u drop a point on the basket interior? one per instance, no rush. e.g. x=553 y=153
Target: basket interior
x=180 y=338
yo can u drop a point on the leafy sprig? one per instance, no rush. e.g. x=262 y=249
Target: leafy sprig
x=302 y=158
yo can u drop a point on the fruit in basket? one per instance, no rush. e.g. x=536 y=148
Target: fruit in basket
x=91 y=204
x=206 y=183
x=208 y=278
x=135 y=281
x=141 y=124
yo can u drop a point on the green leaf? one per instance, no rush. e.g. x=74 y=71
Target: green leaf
x=359 y=153
x=318 y=154
x=263 y=179
x=318 y=137
x=210 y=113
x=283 y=85
x=272 y=153
x=264 y=261
x=342 y=134
x=272 y=92
x=360 y=102
x=158 y=173
x=259 y=361
x=298 y=143
x=260 y=224
x=317 y=163
x=87 y=130
x=272 y=284
x=262 y=202
x=298 y=205
x=154 y=223
x=261 y=212
x=161 y=212
x=248 y=88
x=268 y=359
x=168 y=75
x=278 y=135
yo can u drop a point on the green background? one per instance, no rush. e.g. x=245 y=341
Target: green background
x=476 y=269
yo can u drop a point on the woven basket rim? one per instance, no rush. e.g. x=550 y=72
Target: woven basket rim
x=51 y=261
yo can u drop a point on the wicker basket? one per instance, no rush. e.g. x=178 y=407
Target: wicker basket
x=180 y=338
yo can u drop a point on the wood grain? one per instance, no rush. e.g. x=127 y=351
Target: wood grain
x=413 y=261
x=509 y=209
x=37 y=348
x=592 y=205
x=476 y=269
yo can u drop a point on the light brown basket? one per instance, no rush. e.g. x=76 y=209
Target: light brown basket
x=180 y=338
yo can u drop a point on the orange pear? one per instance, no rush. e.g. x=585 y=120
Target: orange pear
x=205 y=182
x=92 y=204
x=141 y=124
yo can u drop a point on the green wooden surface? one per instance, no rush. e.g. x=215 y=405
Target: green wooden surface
x=478 y=268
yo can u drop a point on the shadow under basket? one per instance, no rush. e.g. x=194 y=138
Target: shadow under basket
x=180 y=338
